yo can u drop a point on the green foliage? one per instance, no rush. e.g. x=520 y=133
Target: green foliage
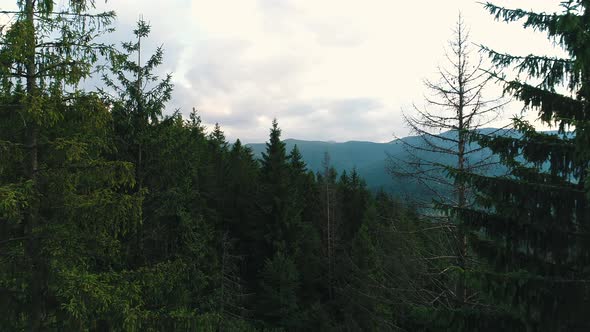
x=279 y=283
x=116 y=217
x=530 y=228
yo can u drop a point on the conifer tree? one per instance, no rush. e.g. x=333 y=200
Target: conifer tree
x=275 y=176
x=531 y=226
x=296 y=161
x=275 y=157
x=218 y=136
x=218 y=152
x=173 y=171
x=329 y=219
x=242 y=191
x=137 y=97
x=354 y=194
x=63 y=207
x=279 y=285
x=382 y=260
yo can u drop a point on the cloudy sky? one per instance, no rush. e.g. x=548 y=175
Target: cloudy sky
x=326 y=69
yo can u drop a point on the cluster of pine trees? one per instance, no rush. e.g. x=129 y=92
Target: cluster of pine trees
x=117 y=217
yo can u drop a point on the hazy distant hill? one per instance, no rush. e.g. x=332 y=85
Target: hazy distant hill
x=367 y=157
x=370 y=159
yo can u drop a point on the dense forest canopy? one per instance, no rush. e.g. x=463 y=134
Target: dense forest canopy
x=117 y=214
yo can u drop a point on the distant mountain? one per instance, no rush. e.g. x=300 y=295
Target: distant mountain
x=370 y=159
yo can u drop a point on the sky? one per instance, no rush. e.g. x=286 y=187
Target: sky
x=334 y=70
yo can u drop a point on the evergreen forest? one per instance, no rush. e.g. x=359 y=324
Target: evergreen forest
x=118 y=213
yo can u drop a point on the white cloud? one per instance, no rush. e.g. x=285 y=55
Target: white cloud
x=327 y=69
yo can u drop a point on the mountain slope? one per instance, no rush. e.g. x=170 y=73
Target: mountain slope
x=370 y=159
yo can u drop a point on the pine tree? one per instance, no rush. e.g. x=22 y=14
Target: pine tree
x=275 y=157
x=219 y=173
x=382 y=278
x=173 y=251
x=137 y=98
x=64 y=206
x=532 y=226
x=218 y=136
x=179 y=234
x=354 y=195
x=279 y=285
x=242 y=191
x=231 y=289
x=296 y=161
x=275 y=177
x=330 y=219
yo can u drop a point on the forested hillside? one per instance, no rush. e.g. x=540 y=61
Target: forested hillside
x=372 y=161
x=120 y=214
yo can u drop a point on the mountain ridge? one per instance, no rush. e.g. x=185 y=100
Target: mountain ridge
x=370 y=159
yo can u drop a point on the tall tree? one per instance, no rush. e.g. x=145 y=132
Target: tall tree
x=330 y=218
x=137 y=96
x=532 y=226
x=275 y=177
x=458 y=106
x=387 y=279
x=279 y=276
x=178 y=172
x=64 y=205
x=279 y=283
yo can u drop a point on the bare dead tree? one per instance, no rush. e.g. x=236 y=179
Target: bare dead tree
x=456 y=106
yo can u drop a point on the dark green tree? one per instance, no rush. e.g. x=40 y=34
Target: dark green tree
x=276 y=181
x=308 y=253
x=298 y=166
x=279 y=285
x=217 y=136
x=385 y=280
x=137 y=97
x=329 y=219
x=174 y=251
x=354 y=194
x=63 y=203
x=531 y=227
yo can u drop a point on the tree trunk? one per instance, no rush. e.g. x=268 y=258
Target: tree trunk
x=32 y=247
x=460 y=186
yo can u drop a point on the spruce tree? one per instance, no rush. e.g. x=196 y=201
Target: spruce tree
x=275 y=178
x=296 y=161
x=382 y=262
x=329 y=219
x=279 y=282
x=531 y=227
x=137 y=97
x=63 y=203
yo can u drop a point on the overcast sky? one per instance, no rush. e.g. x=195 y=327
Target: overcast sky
x=326 y=69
